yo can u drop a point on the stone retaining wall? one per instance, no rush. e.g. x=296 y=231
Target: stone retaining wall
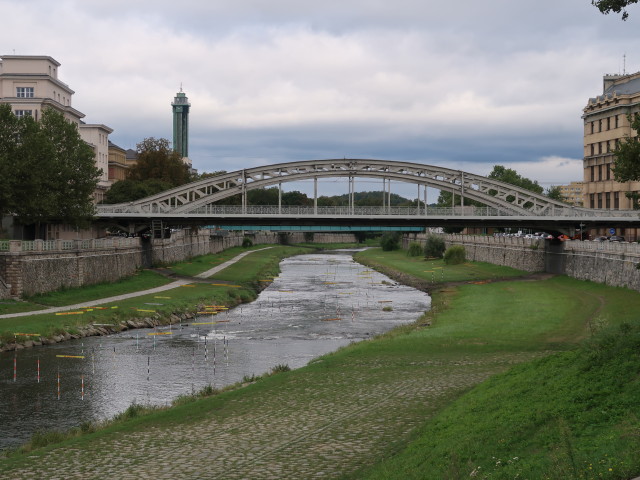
x=47 y=268
x=610 y=263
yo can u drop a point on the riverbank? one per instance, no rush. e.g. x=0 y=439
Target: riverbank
x=346 y=411
x=135 y=304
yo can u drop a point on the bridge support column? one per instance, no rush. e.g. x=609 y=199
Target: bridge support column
x=315 y=195
x=280 y=198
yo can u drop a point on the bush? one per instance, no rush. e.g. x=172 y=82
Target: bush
x=247 y=242
x=454 y=255
x=415 y=249
x=434 y=247
x=390 y=241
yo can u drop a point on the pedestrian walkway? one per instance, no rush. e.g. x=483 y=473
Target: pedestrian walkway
x=117 y=298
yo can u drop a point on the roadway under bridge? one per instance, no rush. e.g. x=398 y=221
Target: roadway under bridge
x=506 y=205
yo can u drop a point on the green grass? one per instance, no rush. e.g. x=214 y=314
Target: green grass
x=435 y=270
x=203 y=263
x=572 y=415
x=15 y=306
x=266 y=262
x=141 y=280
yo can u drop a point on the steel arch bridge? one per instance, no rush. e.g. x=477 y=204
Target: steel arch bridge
x=506 y=204
x=190 y=198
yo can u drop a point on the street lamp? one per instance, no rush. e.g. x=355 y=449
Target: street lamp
x=581 y=232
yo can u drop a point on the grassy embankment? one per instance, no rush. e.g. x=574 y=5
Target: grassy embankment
x=178 y=300
x=569 y=415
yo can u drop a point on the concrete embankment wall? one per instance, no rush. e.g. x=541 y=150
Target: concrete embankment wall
x=609 y=263
x=28 y=268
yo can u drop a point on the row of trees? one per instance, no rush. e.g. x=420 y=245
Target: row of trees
x=506 y=175
x=47 y=172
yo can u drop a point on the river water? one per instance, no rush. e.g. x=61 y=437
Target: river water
x=318 y=303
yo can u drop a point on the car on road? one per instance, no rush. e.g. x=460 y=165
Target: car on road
x=616 y=238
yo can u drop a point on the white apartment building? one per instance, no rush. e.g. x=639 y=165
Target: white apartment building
x=30 y=83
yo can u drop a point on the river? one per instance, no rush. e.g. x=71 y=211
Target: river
x=319 y=303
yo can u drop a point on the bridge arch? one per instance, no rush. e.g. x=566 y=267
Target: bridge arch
x=187 y=198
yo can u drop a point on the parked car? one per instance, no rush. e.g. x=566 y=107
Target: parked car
x=600 y=239
x=616 y=238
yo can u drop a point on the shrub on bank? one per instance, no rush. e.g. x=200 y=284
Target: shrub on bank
x=455 y=255
x=390 y=241
x=415 y=249
x=434 y=247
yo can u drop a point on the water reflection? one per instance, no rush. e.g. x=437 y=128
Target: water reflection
x=318 y=303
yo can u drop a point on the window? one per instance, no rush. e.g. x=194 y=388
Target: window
x=599 y=200
x=608 y=171
x=24 y=113
x=592 y=129
x=593 y=173
x=592 y=203
x=607 y=200
x=600 y=173
x=616 y=199
x=24 y=92
x=608 y=123
x=600 y=125
x=617 y=122
x=592 y=149
x=600 y=147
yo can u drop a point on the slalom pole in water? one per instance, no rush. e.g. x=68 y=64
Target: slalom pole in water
x=148 y=367
x=58 y=382
x=82 y=382
x=38 y=363
x=93 y=360
x=137 y=344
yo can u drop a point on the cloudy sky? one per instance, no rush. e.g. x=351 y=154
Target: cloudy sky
x=467 y=84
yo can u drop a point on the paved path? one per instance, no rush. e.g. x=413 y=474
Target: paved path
x=117 y=298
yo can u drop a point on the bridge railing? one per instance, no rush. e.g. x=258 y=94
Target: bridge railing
x=275 y=210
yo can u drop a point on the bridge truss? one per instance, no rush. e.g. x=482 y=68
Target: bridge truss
x=198 y=200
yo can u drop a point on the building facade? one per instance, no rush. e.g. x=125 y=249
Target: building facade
x=118 y=168
x=29 y=83
x=572 y=193
x=606 y=122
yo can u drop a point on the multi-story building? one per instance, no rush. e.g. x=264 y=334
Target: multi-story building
x=572 y=193
x=118 y=168
x=605 y=124
x=29 y=83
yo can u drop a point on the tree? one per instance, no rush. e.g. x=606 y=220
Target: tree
x=157 y=160
x=500 y=173
x=617 y=6
x=508 y=175
x=130 y=190
x=554 y=193
x=52 y=170
x=9 y=132
x=626 y=163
